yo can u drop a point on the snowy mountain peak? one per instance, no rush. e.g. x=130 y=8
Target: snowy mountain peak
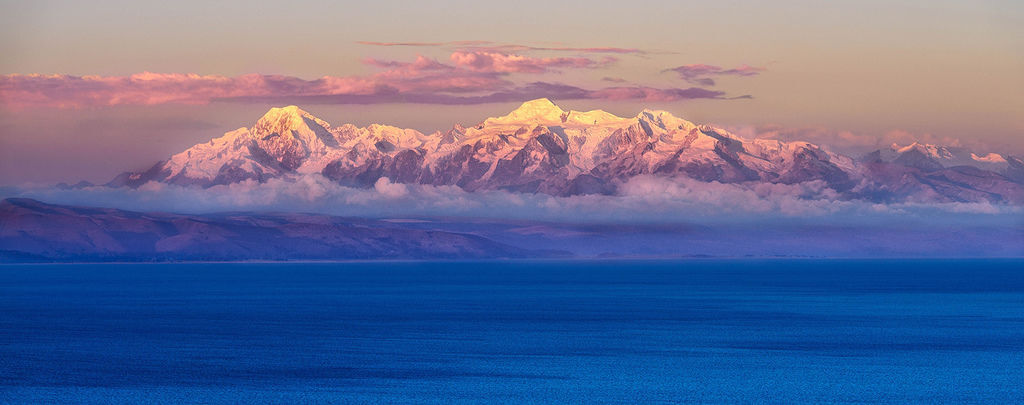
x=933 y=151
x=665 y=120
x=594 y=117
x=289 y=135
x=281 y=120
x=989 y=158
x=540 y=104
x=287 y=112
x=539 y=110
x=944 y=156
x=543 y=111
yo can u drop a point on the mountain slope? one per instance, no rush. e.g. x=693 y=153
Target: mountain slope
x=30 y=229
x=932 y=173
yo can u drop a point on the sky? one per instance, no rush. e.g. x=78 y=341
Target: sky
x=91 y=89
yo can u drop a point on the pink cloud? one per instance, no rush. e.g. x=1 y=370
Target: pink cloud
x=374 y=43
x=492 y=46
x=488 y=61
x=387 y=64
x=524 y=48
x=144 y=88
x=473 y=78
x=654 y=94
x=421 y=64
x=701 y=74
x=604 y=49
x=429 y=75
x=557 y=91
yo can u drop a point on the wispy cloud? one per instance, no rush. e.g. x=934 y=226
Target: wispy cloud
x=517 y=93
x=654 y=94
x=703 y=75
x=472 y=78
x=490 y=46
x=449 y=43
x=489 y=61
x=605 y=49
x=374 y=43
x=525 y=48
x=144 y=88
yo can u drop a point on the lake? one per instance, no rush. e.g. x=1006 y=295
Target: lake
x=713 y=331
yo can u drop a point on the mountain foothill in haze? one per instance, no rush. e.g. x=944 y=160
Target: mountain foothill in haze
x=33 y=231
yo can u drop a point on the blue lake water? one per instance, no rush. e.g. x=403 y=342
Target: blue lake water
x=601 y=331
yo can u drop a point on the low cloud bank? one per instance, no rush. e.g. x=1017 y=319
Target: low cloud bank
x=643 y=199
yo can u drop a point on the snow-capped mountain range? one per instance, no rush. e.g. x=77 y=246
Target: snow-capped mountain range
x=540 y=148
x=933 y=157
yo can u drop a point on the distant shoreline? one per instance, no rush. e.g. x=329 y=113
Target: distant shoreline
x=521 y=260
